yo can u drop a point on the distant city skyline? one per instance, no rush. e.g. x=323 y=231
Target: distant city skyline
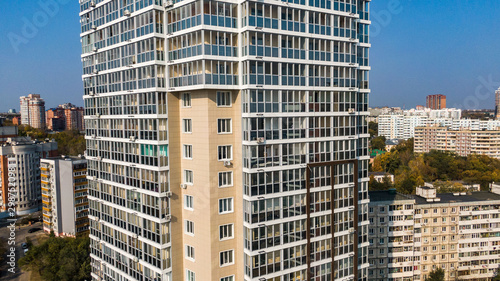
x=410 y=57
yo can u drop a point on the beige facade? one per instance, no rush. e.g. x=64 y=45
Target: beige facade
x=463 y=142
x=205 y=191
x=33 y=111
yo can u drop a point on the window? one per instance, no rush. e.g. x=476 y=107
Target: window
x=225 y=205
x=189 y=252
x=225 y=152
x=188 y=202
x=226 y=231
x=190 y=276
x=187 y=126
x=224 y=126
x=186 y=100
x=188 y=151
x=188 y=176
x=189 y=227
x=223 y=99
x=225 y=179
x=226 y=258
x=229 y=278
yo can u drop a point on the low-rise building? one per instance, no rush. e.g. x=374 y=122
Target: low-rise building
x=64 y=195
x=411 y=235
x=8 y=132
x=380 y=176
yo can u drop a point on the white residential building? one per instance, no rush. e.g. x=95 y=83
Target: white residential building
x=227 y=141
x=411 y=235
x=64 y=195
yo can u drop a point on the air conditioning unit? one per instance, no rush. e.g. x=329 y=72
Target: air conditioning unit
x=351 y=110
x=168 y=218
x=136 y=259
x=134 y=235
x=169 y=4
x=133 y=138
x=168 y=194
x=99 y=158
x=183 y=186
x=92 y=3
x=94 y=27
x=351 y=230
x=260 y=140
x=95 y=49
x=96 y=71
x=98 y=115
x=126 y=13
x=227 y=163
x=93 y=136
x=91 y=93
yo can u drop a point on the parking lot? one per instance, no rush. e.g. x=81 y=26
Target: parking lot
x=20 y=237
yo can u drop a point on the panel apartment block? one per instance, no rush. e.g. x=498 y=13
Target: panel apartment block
x=411 y=235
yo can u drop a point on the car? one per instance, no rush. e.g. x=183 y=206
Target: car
x=34 y=229
x=24 y=245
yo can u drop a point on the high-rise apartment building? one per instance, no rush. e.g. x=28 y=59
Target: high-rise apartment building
x=64 y=195
x=20 y=181
x=227 y=141
x=435 y=101
x=411 y=235
x=65 y=117
x=33 y=111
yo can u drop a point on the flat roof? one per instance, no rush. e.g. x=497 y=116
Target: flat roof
x=387 y=195
x=469 y=197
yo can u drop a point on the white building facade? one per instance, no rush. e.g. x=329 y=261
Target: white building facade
x=410 y=236
x=213 y=126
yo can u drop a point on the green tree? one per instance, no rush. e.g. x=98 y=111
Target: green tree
x=374 y=185
x=436 y=275
x=60 y=259
x=70 y=142
x=497 y=277
x=373 y=129
x=28 y=131
x=378 y=143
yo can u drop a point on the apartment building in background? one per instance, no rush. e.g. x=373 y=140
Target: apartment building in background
x=33 y=111
x=64 y=195
x=212 y=126
x=20 y=179
x=411 y=235
x=65 y=117
x=463 y=142
x=435 y=101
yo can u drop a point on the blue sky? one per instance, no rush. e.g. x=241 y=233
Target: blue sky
x=419 y=47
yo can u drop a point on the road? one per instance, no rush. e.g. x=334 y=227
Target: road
x=21 y=235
